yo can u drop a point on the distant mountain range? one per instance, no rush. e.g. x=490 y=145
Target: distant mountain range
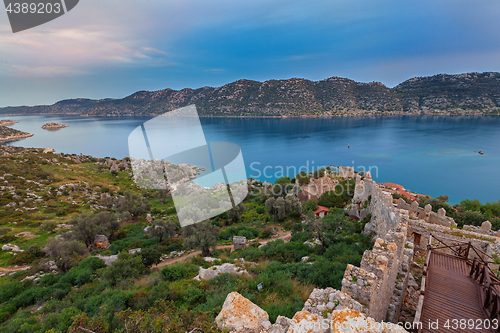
x=469 y=93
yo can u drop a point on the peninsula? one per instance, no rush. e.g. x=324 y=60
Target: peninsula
x=7 y=122
x=9 y=134
x=443 y=94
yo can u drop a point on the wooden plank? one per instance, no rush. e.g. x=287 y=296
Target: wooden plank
x=450 y=293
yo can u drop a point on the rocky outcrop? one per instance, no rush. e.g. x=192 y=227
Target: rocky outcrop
x=227 y=268
x=324 y=301
x=108 y=260
x=238 y=314
x=347 y=321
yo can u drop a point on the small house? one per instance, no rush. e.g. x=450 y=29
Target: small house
x=321 y=211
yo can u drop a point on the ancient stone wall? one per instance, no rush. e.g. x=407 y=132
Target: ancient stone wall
x=381 y=280
x=426 y=213
x=369 y=198
x=346 y=172
x=421 y=230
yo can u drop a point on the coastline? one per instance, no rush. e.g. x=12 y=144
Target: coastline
x=370 y=114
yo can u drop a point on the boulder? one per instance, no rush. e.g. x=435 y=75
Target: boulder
x=211 y=272
x=238 y=314
x=281 y=325
x=108 y=260
x=486 y=225
x=11 y=247
x=347 y=320
x=48 y=150
x=306 y=322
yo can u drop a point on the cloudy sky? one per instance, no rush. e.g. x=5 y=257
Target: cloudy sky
x=112 y=48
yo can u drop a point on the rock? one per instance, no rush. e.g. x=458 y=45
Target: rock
x=11 y=247
x=239 y=314
x=51 y=265
x=209 y=259
x=306 y=322
x=133 y=251
x=486 y=225
x=108 y=260
x=48 y=150
x=441 y=212
x=281 y=325
x=347 y=320
x=211 y=272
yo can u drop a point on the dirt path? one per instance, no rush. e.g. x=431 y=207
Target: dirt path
x=285 y=236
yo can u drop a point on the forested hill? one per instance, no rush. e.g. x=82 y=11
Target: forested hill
x=469 y=93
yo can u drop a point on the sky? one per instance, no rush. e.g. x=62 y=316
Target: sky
x=113 y=48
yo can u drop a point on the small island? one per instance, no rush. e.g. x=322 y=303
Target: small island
x=53 y=126
x=9 y=134
x=7 y=122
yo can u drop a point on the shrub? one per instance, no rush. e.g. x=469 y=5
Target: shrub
x=174 y=247
x=177 y=272
x=266 y=233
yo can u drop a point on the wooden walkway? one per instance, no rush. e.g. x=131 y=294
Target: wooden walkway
x=451 y=294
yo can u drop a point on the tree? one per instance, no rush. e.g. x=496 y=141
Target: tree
x=280 y=207
x=86 y=227
x=338 y=198
x=163 y=195
x=162 y=229
x=330 y=229
x=65 y=254
x=49 y=226
x=202 y=235
x=310 y=205
x=150 y=256
x=234 y=213
x=303 y=178
x=133 y=204
x=127 y=266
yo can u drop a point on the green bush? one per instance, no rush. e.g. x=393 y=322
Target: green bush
x=177 y=272
x=174 y=247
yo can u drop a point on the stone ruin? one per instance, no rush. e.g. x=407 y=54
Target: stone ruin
x=373 y=294
x=346 y=172
x=426 y=213
x=239 y=314
x=239 y=242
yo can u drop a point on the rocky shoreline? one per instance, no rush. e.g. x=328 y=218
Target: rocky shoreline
x=10 y=134
x=7 y=122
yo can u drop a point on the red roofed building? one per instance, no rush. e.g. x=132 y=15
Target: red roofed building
x=321 y=211
x=394 y=186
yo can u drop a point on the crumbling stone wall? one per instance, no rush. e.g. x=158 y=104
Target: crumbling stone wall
x=426 y=213
x=346 y=172
x=382 y=278
x=422 y=230
x=369 y=198
x=381 y=281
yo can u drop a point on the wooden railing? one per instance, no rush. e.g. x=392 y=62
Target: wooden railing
x=490 y=295
x=480 y=272
x=423 y=290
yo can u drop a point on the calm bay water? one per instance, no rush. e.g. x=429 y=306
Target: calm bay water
x=427 y=154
